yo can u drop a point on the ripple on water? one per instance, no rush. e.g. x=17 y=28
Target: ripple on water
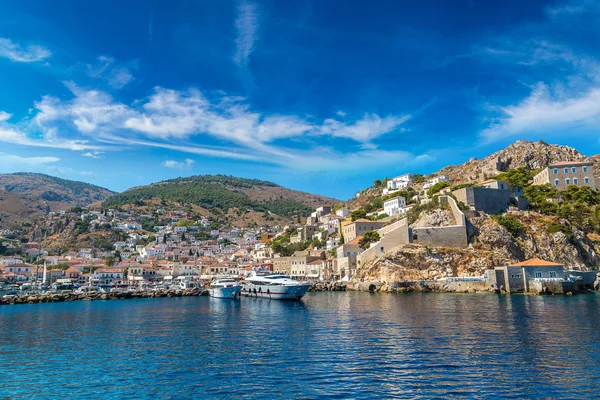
x=334 y=345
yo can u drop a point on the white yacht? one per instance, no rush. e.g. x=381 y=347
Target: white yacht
x=273 y=286
x=227 y=288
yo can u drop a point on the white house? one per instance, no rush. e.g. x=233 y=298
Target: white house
x=343 y=212
x=395 y=206
x=399 y=183
x=437 y=179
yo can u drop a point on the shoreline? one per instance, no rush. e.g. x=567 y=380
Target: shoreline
x=337 y=286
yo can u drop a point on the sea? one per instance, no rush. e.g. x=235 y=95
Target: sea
x=329 y=345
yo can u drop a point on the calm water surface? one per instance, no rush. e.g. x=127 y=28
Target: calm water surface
x=330 y=345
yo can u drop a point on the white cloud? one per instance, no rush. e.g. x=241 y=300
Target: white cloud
x=364 y=130
x=183 y=121
x=93 y=154
x=544 y=112
x=16 y=53
x=116 y=76
x=246 y=25
x=14 y=161
x=4 y=116
x=564 y=80
x=187 y=163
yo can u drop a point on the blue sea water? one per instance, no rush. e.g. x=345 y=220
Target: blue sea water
x=330 y=345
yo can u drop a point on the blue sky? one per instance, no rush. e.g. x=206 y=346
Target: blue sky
x=320 y=96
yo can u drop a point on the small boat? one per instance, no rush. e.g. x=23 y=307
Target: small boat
x=227 y=288
x=273 y=286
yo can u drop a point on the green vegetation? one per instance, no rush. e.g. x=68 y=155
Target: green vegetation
x=358 y=214
x=413 y=214
x=436 y=188
x=75 y=186
x=511 y=223
x=368 y=238
x=218 y=193
x=419 y=178
x=518 y=177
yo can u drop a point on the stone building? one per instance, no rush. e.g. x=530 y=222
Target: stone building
x=360 y=227
x=563 y=174
x=527 y=276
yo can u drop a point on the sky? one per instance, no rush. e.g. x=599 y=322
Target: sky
x=319 y=96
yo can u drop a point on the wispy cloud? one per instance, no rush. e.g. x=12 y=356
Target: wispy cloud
x=4 y=116
x=546 y=113
x=106 y=68
x=93 y=154
x=14 y=161
x=565 y=92
x=246 y=25
x=189 y=121
x=187 y=163
x=27 y=54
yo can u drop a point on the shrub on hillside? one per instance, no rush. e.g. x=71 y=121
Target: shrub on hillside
x=511 y=223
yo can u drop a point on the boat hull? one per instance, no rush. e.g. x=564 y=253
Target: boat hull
x=291 y=292
x=232 y=292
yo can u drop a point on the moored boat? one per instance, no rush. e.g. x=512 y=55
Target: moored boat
x=227 y=288
x=273 y=286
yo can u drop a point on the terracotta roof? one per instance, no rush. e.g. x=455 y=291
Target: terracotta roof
x=315 y=262
x=536 y=262
x=355 y=240
x=564 y=163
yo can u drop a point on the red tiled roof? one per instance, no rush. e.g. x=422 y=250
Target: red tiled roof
x=536 y=262
x=355 y=240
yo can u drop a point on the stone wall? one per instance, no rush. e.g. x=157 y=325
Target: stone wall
x=444 y=236
x=490 y=201
x=392 y=236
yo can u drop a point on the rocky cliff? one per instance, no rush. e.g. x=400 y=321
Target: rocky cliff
x=491 y=244
x=532 y=155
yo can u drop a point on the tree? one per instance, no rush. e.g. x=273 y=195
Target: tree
x=109 y=261
x=377 y=183
x=184 y=259
x=368 y=238
x=436 y=188
x=358 y=214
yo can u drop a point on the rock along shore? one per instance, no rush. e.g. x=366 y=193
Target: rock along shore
x=440 y=287
x=64 y=297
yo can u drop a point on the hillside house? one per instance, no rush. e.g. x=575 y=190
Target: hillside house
x=564 y=174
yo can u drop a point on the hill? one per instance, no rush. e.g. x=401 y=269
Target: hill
x=558 y=226
x=28 y=196
x=221 y=195
x=530 y=155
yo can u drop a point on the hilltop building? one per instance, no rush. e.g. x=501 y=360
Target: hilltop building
x=437 y=179
x=563 y=174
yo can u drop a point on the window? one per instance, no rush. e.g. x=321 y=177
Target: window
x=566 y=170
x=382 y=249
x=555 y=171
x=567 y=181
x=538 y=274
x=575 y=181
x=552 y=274
x=586 y=180
x=574 y=169
x=584 y=169
x=557 y=182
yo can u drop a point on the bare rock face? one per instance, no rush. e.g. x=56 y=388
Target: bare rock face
x=532 y=155
x=491 y=245
x=437 y=217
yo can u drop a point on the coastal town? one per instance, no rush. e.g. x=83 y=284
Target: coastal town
x=170 y=247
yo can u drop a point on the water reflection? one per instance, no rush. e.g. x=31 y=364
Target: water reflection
x=343 y=344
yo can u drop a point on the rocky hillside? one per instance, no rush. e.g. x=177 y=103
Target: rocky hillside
x=220 y=194
x=491 y=244
x=25 y=197
x=533 y=155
